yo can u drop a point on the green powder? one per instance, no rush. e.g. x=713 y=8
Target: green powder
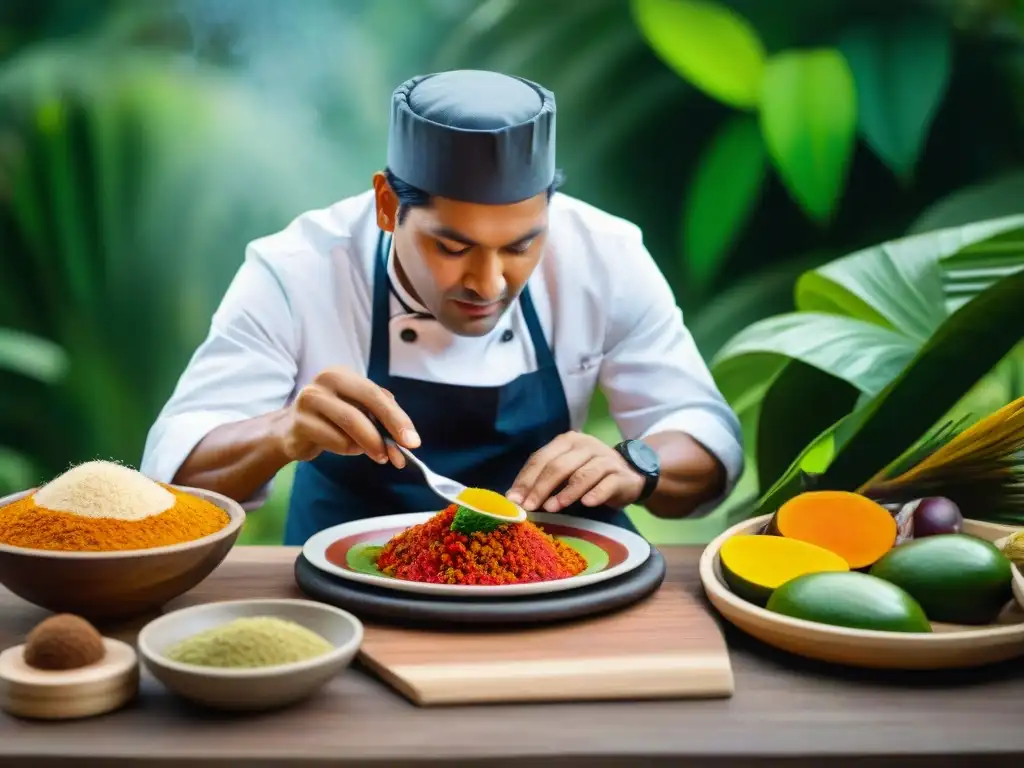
x=467 y=521
x=262 y=641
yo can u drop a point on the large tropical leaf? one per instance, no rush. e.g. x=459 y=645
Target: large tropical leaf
x=967 y=345
x=786 y=422
x=863 y=318
x=994 y=198
x=762 y=294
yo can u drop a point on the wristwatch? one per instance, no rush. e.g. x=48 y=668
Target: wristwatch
x=642 y=458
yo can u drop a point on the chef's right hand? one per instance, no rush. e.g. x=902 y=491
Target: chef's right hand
x=333 y=413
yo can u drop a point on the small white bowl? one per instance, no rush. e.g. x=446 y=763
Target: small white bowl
x=257 y=688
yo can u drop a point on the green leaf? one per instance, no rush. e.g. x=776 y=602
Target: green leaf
x=865 y=319
x=815 y=458
x=754 y=297
x=899 y=284
x=32 y=356
x=809 y=122
x=997 y=197
x=968 y=345
x=856 y=357
x=708 y=44
x=865 y=355
x=787 y=424
x=902 y=69
x=722 y=196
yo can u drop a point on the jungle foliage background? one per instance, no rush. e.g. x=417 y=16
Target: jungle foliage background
x=144 y=142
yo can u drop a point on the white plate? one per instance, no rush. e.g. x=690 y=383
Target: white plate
x=626 y=550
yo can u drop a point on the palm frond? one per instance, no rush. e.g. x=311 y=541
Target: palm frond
x=980 y=468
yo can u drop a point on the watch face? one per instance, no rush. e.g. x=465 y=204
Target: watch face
x=643 y=456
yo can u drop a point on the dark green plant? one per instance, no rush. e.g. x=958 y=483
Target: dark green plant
x=883 y=345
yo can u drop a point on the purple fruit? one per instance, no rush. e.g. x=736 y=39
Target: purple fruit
x=937 y=515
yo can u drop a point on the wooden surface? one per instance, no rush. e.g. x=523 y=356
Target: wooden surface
x=666 y=646
x=785 y=710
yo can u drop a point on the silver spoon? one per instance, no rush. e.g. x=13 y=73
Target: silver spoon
x=445 y=487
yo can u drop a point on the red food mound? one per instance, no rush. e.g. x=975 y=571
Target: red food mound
x=516 y=553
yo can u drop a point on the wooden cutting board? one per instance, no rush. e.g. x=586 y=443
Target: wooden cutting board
x=667 y=646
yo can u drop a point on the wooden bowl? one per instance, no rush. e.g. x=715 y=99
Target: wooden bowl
x=120 y=584
x=250 y=689
x=1018 y=585
x=948 y=646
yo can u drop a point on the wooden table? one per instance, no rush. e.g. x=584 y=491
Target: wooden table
x=785 y=712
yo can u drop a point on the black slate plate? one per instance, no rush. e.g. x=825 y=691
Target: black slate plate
x=409 y=608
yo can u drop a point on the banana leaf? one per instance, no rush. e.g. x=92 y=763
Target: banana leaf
x=966 y=346
x=861 y=321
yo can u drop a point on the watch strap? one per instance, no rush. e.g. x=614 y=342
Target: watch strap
x=650 y=478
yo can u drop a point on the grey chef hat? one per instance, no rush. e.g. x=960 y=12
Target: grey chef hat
x=474 y=136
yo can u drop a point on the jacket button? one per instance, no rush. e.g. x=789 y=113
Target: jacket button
x=507 y=335
x=408 y=335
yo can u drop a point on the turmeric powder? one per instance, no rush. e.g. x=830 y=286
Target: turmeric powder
x=23 y=524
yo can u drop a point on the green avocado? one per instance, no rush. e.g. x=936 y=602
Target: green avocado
x=957 y=578
x=849 y=599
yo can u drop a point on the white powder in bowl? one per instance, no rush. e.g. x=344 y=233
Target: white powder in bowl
x=104 y=489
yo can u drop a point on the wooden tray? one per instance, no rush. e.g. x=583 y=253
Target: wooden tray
x=667 y=646
x=387 y=605
x=948 y=646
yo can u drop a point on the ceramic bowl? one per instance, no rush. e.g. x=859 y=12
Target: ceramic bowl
x=121 y=584
x=948 y=646
x=1018 y=585
x=249 y=689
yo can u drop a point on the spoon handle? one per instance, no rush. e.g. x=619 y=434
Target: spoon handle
x=389 y=440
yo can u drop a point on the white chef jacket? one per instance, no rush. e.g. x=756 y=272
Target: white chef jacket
x=301 y=302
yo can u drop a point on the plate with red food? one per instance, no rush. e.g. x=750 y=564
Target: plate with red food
x=481 y=547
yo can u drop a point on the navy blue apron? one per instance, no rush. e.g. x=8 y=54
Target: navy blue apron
x=480 y=436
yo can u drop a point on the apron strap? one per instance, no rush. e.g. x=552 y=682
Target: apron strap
x=545 y=358
x=380 y=338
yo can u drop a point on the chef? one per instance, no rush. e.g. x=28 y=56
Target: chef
x=470 y=310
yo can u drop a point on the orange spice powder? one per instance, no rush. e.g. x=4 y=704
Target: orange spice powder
x=23 y=524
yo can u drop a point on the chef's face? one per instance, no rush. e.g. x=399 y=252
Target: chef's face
x=465 y=262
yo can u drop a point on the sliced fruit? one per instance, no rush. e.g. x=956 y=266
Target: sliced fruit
x=853 y=526
x=754 y=565
x=851 y=599
x=491 y=503
x=957 y=578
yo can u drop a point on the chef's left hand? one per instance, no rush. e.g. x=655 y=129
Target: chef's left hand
x=589 y=470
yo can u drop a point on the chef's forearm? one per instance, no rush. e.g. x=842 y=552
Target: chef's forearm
x=690 y=475
x=237 y=459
